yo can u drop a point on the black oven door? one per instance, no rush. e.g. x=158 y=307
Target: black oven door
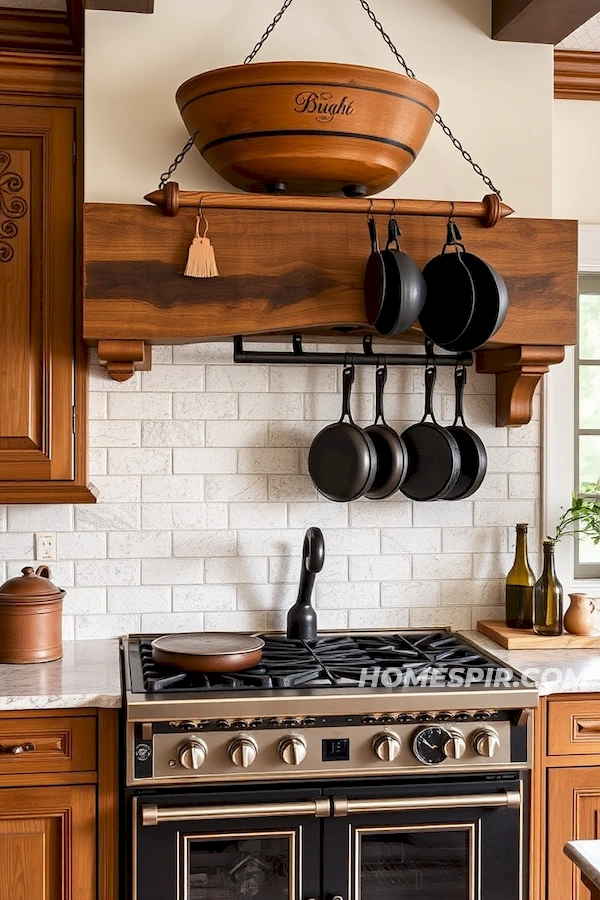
x=448 y=840
x=234 y=845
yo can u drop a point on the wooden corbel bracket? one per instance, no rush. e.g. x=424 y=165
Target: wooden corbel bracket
x=123 y=358
x=518 y=370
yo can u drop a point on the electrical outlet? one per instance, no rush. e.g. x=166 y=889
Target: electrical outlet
x=45 y=545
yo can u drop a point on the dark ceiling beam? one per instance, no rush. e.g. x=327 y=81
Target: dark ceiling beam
x=539 y=21
x=137 y=6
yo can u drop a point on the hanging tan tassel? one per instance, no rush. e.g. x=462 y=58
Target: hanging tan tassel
x=201 y=261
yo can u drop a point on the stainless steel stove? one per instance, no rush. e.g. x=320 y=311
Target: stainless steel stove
x=359 y=766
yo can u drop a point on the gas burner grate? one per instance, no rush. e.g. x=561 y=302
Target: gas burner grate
x=331 y=660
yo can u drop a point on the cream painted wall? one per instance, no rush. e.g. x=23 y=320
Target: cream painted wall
x=497 y=97
x=576 y=176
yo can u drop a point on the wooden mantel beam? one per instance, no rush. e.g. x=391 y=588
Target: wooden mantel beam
x=137 y=6
x=539 y=21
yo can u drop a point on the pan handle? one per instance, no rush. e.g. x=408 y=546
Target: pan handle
x=373 y=234
x=347 y=382
x=394 y=234
x=430 y=376
x=380 y=380
x=460 y=380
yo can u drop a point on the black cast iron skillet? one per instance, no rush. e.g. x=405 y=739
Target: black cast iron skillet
x=394 y=285
x=473 y=456
x=433 y=454
x=466 y=300
x=342 y=459
x=392 y=457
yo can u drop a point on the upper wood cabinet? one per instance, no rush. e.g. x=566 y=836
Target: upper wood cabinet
x=42 y=362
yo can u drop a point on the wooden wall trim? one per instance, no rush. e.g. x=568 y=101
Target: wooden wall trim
x=39 y=74
x=576 y=75
x=108 y=804
x=137 y=6
x=539 y=21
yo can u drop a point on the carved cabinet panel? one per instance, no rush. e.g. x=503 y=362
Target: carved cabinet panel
x=41 y=374
x=573 y=814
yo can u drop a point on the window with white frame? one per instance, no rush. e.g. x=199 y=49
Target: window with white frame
x=571 y=436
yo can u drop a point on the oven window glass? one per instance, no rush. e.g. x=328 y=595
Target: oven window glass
x=239 y=866
x=415 y=863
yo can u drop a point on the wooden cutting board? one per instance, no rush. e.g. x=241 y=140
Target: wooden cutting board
x=525 y=639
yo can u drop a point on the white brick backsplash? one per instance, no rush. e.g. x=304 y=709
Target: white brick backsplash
x=378 y=618
x=203 y=597
x=173 y=378
x=68 y=628
x=410 y=593
x=495 y=613
x=171 y=488
x=236 y=487
x=118 y=488
x=107 y=517
x=107 y=572
x=236 y=571
x=85 y=600
x=139 y=599
x=172 y=571
x=236 y=434
x=238 y=379
x=395 y=513
x=379 y=568
x=205 y=406
x=262 y=515
x=197 y=544
x=172 y=434
x=139 y=461
x=489 y=513
x=114 y=434
x=268 y=462
x=139 y=544
x=139 y=406
x=347 y=596
x=271 y=406
x=81 y=545
x=408 y=540
x=205 y=498
x=40 y=518
x=204 y=460
x=442 y=566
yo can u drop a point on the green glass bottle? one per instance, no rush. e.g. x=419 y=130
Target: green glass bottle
x=519 y=585
x=548 y=596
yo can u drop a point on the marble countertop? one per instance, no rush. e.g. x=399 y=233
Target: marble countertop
x=89 y=674
x=553 y=671
x=586 y=856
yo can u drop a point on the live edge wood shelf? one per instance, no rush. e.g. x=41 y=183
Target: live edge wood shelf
x=296 y=265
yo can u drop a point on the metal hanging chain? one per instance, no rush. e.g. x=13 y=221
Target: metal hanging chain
x=465 y=154
x=275 y=22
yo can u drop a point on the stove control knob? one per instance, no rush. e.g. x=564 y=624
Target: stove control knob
x=292 y=750
x=387 y=746
x=242 y=752
x=455 y=747
x=486 y=742
x=191 y=754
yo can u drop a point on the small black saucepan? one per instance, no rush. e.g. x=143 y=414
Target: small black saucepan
x=342 y=461
x=433 y=454
x=394 y=285
x=466 y=300
x=473 y=456
x=392 y=457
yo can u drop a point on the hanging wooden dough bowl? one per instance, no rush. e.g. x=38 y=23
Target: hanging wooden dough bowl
x=307 y=127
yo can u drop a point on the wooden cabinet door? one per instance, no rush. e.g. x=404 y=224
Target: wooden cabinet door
x=47 y=843
x=573 y=814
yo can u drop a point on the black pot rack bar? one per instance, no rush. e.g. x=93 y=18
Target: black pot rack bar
x=298 y=356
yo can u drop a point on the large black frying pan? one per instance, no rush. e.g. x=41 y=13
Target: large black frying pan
x=394 y=285
x=466 y=300
x=342 y=459
x=392 y=457
x=210 y=651
x=433 y=454
x=473 y=456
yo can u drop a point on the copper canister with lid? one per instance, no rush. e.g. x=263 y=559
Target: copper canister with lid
x=30 y=618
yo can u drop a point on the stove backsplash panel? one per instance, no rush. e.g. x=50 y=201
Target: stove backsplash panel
x=205 y=497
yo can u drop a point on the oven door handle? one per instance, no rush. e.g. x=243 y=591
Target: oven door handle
x=152 y=814
x=342 y=806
